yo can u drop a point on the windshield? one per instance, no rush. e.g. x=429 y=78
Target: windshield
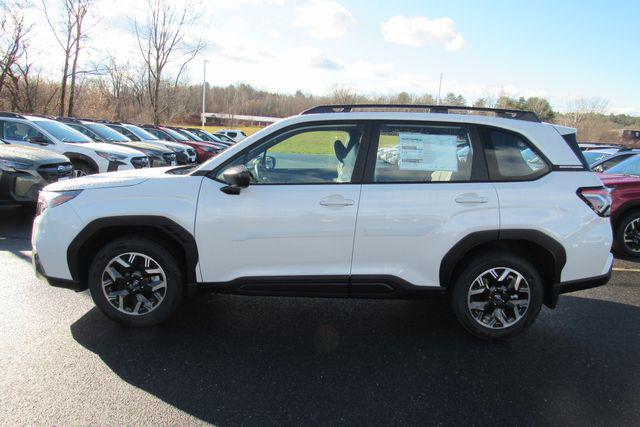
x=176 y=135
x=594 y=156
x=62 y=132
x=631 y=166
x=194 y=136
x=108 y=134
x=141 y=133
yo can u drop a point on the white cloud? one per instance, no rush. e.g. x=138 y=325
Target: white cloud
x=324 y=19
x=418 y=31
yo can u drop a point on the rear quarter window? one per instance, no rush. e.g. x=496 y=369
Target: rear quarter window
x=510 y=157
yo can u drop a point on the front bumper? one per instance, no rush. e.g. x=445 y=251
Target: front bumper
x=578 y=285
x=52 y=281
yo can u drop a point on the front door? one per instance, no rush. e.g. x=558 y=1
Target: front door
x=297 y=218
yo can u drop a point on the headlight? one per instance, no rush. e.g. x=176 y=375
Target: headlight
x=111 y=156
x=50 y=199
x=10 y=166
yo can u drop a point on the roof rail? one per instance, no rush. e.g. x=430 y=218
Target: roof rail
x=10 y=114
x=67 y=119
x=529 y=116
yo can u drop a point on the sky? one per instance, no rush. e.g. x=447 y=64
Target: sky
x=561 y=50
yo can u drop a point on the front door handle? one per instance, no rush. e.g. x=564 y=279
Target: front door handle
x=336 y=201
x=471 y=199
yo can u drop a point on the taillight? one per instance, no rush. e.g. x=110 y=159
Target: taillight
x=597 y=198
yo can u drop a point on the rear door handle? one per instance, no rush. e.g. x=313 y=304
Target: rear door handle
x=336 y=201
x=471 y=199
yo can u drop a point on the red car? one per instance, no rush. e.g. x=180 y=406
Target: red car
x=204 y=150
x=625 y=211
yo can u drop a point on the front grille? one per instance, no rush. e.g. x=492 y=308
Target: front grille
x=140 y=162
x=169 y=158
x=53 y=172
x=183 y=158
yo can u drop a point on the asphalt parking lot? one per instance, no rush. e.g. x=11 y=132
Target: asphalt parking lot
x=240 y=360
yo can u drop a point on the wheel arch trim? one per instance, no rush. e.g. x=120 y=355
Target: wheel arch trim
x=83 y=158
x=169 y=229
x=471 y=241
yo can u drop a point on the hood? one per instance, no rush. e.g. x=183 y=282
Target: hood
x=109 y=148
x=19 y=153
x=126 y=178
x=618 y=179
x=175 y=146
x=141 y=145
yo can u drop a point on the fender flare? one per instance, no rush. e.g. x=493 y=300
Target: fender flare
x=622 y=211
x=473 y=240
x=83 y=158
x=169 y=229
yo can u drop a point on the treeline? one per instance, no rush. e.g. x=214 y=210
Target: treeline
x=155 y=89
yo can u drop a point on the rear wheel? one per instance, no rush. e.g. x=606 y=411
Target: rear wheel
x=136 y=281
x=497 y=296
x=627 y=235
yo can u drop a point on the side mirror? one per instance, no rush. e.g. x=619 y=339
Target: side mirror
x=40 y=140
x=269 y=162
x=237 y=177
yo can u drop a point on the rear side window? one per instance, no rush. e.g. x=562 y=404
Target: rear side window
x=510 y=157
x=609 y=163
x=423 y=153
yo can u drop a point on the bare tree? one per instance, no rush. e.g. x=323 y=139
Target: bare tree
x=70 y=33
x=580 y=110
x=163 y=41
x=13 y=35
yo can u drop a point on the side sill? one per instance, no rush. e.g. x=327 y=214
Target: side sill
x=374 y=287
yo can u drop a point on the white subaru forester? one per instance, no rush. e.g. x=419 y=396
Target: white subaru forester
x=490 y=208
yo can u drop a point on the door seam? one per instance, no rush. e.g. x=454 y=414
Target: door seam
x=353 y=241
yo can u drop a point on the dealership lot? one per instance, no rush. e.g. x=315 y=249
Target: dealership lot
x=232 y=360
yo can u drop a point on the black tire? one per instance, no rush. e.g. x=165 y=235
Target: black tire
x=82 y=169
x=173 y=294
x=475 y=268
x=618 y=239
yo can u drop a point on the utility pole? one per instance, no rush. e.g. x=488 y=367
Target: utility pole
x=204 y=93
x=440 y=89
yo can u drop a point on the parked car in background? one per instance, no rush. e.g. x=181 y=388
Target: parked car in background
x=158 y=155
x=305 y=209
x=625 y=209
x=208 y=136
x=87 y=157
x=608 y=161
x=234 y=134
x=185 y=155
x=24 y=171
x=193 y=137
x=204 y=150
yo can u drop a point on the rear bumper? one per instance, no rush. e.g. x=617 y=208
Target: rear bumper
x=579 y=285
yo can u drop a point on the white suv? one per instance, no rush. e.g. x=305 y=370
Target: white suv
x=87 y=157
x=499 y=214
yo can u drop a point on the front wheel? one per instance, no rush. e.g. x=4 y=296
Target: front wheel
x=497 y=296
x=136 y=281
x=81 y=169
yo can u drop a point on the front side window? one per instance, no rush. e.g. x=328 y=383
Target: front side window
x=423 y=153
x=510 y=157
x=17 y=131
x=312 y=155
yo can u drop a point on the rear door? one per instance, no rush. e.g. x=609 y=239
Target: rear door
x=423 y=192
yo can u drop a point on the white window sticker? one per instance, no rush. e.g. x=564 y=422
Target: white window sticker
x=428 y=152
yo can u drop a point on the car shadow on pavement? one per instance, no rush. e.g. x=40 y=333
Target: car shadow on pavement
x=15 y=230
x=243 y=360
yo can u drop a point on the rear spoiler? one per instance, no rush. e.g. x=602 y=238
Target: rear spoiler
x=570 y=136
